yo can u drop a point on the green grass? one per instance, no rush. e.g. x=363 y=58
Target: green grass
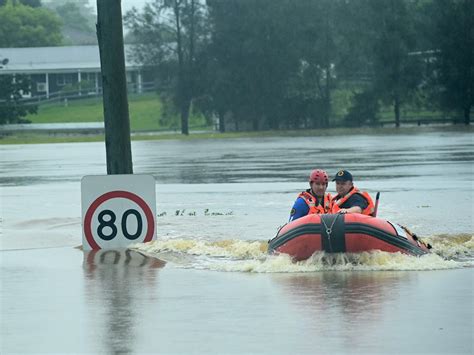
x=147 y=114
x=144 y=110
x=88 y=110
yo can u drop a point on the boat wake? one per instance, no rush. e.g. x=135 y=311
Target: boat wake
x=449 y=252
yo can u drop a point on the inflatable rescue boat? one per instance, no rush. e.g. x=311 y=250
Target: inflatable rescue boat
x=344 y=233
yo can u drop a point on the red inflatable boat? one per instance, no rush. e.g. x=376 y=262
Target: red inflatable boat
x=344 y=233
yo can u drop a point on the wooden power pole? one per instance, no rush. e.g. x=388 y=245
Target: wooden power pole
x=114 y=87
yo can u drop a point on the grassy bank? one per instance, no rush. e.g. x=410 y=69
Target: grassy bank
x=45 y=138
x=146 y=113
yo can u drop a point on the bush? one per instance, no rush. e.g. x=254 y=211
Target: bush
x=365 y=109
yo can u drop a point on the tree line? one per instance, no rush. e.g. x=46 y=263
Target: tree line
x=30 y=23
x=279 y=64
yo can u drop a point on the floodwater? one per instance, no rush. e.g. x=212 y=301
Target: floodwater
x=206 y=284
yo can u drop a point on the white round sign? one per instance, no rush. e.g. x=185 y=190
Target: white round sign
x=118 y=211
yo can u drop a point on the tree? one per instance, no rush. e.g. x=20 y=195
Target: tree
x=171 y=35
x=319 y=33
x=253 y=56
x=31 y=3
x=25 y=26
x=365 y=108
x=453 y=44
x=78 y=20
x=11 y=90
x=276 y=63
x=396 y=70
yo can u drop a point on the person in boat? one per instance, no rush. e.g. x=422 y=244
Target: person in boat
x=315 y=199
x=350 y=199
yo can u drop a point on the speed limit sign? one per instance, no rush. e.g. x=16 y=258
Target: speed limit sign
x=117 y=210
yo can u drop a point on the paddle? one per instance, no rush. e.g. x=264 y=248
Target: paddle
x=376 y=204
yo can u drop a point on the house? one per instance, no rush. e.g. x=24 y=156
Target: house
x=52 y=69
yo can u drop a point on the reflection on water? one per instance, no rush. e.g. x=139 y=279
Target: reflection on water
x=354 y=296
x=113 y=279
x=353 y=293
x=119 y=258
x=349 y=305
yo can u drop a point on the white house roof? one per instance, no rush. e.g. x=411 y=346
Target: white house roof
x=55 y=59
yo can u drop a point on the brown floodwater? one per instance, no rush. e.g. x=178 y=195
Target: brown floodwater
x=206 y=285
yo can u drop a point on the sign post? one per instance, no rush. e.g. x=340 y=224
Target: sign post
x=117 y=210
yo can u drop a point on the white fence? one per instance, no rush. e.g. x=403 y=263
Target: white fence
x=63 y=97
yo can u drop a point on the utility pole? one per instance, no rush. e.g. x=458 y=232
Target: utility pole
x=114 y=86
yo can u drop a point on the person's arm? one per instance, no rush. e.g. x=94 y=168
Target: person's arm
x=300 y=209
x=354 y=209
x=355 y=204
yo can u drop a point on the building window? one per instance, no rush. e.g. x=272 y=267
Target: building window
x=63 y=79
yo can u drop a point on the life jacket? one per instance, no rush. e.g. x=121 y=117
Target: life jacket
x=311 y=200
x=339 y=201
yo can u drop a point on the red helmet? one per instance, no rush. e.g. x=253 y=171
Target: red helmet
x=319 y=175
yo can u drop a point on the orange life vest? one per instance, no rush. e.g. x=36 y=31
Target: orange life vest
x=339 y=201
x=311 y=200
